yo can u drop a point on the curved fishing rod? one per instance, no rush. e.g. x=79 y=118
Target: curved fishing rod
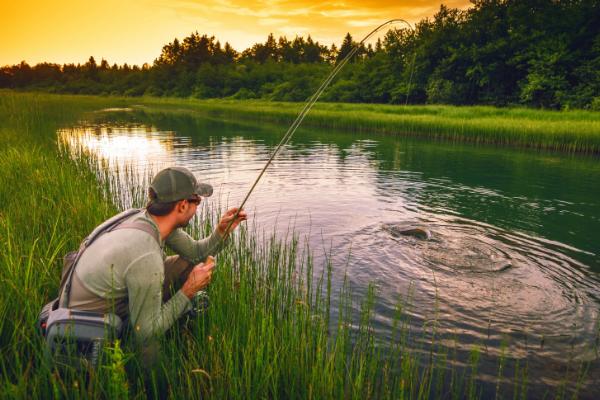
x=309 y=104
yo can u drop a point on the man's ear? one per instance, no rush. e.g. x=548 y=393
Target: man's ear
x=182 y=206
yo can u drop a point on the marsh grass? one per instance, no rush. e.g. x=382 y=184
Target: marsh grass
x=269 y=332
x=574 y=131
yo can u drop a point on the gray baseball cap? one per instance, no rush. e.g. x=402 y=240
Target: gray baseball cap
x=178 y=183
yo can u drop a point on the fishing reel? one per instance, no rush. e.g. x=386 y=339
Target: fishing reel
x=200 y=303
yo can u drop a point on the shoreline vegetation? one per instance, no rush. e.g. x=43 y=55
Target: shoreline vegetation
x=269 y=330
x=574 y=131
x=543 y=54
x=565 y=131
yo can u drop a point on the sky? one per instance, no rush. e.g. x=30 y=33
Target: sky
x=134 y=31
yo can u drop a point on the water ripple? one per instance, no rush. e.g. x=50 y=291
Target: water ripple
x=489 y=272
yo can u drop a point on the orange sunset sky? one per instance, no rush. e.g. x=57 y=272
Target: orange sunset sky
x=134 y=31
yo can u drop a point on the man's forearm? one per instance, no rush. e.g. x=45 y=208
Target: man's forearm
x=192 y=250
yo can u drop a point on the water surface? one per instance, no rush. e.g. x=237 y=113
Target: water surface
x=514 y=254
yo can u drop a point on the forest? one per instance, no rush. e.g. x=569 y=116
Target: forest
x=536 y=53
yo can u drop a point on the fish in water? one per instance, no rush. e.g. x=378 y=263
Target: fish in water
x=418 y=232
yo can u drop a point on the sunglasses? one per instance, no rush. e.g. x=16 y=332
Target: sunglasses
x=196 y=200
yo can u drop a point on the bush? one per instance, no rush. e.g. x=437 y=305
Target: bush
x=244 y=94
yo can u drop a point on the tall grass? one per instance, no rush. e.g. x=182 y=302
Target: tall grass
x=570 y=131
x=269 y=333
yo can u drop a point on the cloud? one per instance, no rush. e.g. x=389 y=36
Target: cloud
x=272 y=21
x=295 y=30
x=341 y=13
x=364 y=23
x=325 y=21
x=285 y=8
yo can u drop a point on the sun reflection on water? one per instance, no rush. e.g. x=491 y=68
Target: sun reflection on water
x=134 y=148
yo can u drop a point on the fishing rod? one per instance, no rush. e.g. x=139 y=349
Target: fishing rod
x=307 y=107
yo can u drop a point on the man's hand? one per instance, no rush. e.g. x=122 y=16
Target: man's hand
x=198 y=278
x=226 y=220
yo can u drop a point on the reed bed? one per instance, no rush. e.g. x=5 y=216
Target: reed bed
x=574 y=131
x=269 y=332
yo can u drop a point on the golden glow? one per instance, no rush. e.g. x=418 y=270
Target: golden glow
x=134 y=31
x=122 y=148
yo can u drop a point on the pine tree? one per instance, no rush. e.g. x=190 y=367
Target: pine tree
x=346 y=47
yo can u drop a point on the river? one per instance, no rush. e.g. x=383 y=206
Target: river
x=513 y=261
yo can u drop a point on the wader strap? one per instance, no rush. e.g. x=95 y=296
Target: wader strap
x=106 y=226
x=142 y=226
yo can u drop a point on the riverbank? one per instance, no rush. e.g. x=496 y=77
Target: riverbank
x=567 y=131
x=575 y=131
x=267 y=333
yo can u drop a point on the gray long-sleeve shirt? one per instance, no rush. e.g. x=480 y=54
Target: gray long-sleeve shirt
x=125 y=269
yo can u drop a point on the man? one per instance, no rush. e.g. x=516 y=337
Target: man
x=125 y=271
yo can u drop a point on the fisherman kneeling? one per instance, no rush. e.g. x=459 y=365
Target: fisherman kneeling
x=125 y=271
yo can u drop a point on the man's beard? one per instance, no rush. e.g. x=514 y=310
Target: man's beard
x=187 y=223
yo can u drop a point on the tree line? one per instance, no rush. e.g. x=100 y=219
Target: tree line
x=540 y=53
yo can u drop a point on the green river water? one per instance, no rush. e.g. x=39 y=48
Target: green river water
x=514 y=254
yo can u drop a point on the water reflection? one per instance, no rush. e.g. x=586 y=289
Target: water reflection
x=136 y=147
x=513 y=255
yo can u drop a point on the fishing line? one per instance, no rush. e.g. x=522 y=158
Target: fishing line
x=308 y=105
x=412 y=70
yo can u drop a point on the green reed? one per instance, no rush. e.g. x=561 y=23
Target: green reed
x=574 y=131
x=269 y=332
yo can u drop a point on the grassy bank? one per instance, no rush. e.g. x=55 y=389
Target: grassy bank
x=569 y=131
x=575 y=131
x=267 y=333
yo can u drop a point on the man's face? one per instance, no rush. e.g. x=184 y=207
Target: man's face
x=187 y=210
